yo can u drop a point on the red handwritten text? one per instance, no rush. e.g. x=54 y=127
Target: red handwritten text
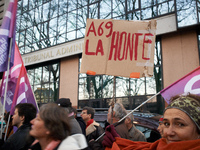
x=123 y=44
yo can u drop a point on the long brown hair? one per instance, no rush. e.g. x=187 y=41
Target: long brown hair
x=56 y=120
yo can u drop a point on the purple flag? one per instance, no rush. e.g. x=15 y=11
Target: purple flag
x=15 y=73
x=23 y=91
x=12 y=80
x=7 y=31
x=188 y=83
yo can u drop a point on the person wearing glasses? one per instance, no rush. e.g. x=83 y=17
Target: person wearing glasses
x=93 y=129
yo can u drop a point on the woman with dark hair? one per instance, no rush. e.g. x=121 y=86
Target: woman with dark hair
x=181 y=128
x=51 y=128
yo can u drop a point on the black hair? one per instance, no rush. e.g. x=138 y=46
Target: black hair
x=27 y=110
x=90 y=110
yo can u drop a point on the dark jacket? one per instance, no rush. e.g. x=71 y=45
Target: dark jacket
x=82 y=124
x=75 y=127
x=19 y=140
x=93 y=131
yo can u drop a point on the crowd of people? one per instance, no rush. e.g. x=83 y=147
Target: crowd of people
x=57 y=127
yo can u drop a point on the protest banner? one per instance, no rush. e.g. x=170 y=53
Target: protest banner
x=119 y=48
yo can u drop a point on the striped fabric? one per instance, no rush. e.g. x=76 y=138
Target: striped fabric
x=23 y=91
x=12 y=81
x=19 y=89
x=7 y=31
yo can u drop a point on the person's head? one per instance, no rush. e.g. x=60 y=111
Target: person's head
x=24 y=113
x=87 y=113
x=116 y=113
x=160 y=126
x=65 y=103
x=181 y=120
x=52 y=123
x=129 y=121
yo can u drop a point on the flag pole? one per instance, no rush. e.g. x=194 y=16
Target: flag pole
x=114 y=97
x=139 y=106
x=8 y=122
x=6 y=87
x=132 y=112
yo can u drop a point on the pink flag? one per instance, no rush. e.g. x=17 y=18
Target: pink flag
x=16 y=73
x=12 y=80
x=188 y=83
x=23 y=91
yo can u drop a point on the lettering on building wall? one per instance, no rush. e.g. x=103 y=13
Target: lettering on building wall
x=53 y=53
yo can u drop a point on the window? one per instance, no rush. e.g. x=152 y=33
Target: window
x=187 y=12
x=45 y=23
x=45 y=82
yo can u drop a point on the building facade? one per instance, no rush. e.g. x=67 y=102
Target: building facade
x=50 y=35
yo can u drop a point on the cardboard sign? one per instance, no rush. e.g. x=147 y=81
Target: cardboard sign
x=119 y=48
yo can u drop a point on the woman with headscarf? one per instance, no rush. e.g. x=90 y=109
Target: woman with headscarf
x=181 y=128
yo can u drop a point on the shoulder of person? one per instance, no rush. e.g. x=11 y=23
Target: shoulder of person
x=76 y=141
x=96 y=123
